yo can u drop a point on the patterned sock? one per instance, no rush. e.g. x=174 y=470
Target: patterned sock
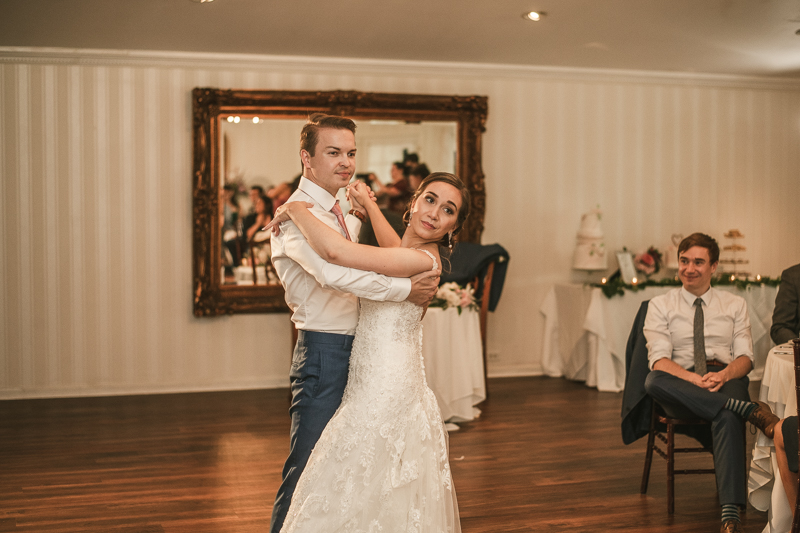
x=730 y=510
x=741 y=407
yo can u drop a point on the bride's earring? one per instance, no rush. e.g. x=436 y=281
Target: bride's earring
x=409 y=219
x=450 y=240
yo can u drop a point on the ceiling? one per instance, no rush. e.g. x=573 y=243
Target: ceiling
x=735 y=37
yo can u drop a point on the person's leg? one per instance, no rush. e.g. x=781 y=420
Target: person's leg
x=318 y=379
x=681 y=399
x=786 y=450
x=727 y=433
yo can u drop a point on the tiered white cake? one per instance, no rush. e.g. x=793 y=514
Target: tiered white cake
x=590 y=252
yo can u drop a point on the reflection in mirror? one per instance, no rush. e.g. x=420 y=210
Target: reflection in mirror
x=246 y=164
x=260 y=165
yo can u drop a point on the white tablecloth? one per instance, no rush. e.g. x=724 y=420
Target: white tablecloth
x=451 y=348
x=764 y=484
x=586 y=333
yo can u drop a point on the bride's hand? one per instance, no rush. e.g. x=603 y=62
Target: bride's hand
x=283 y=214
x=360 y=194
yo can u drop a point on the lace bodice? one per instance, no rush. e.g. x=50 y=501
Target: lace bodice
x=386 y=361
x=381 y=463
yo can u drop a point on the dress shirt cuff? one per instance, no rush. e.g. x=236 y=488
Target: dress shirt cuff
x=399 y=289
x=659 y=346
x=743 y=345
x=742 y=335
x=651 y=361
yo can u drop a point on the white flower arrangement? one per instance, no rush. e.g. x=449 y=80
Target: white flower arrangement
x=453 y=295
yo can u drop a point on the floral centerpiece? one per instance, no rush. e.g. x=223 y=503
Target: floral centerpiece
x=649 y=262
x=453 y=295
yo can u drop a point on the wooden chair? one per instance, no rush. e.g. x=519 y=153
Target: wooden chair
x=796 y=519
x=484 y=310
x=260 y=239
x=668 y=453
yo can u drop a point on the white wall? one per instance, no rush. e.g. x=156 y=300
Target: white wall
x=95 y=193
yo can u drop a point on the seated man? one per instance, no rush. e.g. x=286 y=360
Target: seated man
x=786 y=455
x=786 y=316
x=700 y=351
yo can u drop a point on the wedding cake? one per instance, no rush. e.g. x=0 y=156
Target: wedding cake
x=590 y=252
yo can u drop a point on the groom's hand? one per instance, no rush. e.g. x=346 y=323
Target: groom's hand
x=423 y=287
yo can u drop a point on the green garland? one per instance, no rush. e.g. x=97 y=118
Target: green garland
x=617 y=286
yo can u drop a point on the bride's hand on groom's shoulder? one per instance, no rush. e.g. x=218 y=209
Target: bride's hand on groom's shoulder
x=283 y=214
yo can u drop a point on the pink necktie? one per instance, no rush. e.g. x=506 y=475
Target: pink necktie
x=336 y=210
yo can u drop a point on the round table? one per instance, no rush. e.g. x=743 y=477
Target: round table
x=764 y=484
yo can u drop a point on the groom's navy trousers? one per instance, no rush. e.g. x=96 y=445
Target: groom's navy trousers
x=681 y=399
x=318 y=377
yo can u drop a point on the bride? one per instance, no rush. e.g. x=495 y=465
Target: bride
x=381 y=464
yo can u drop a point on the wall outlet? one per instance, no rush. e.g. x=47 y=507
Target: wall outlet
x=492 y=356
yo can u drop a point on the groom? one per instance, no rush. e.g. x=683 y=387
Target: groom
x=324 y=297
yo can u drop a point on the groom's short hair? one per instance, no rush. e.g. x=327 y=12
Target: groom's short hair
x=310 y=134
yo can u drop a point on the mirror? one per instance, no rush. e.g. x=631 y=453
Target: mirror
x=247 y=138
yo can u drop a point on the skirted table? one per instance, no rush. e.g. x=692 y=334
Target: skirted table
x=452 y=351
x=764 y=486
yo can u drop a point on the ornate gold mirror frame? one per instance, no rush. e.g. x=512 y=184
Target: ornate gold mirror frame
x=208 y=105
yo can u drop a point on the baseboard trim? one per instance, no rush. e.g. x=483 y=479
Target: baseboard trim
x=31 y=394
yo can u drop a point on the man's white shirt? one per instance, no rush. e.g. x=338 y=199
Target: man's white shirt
x=321 y=295
x=669 y=327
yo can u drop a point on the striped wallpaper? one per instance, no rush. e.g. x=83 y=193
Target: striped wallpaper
x=95 y=199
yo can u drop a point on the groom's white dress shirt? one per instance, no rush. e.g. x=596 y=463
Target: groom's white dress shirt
x=323 y=296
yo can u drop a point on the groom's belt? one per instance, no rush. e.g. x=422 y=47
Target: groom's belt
x=322 y=337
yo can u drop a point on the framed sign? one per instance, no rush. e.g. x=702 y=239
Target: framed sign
x=626 y=269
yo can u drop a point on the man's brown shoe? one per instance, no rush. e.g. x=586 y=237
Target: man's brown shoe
x=731 y=526
x=763 y=419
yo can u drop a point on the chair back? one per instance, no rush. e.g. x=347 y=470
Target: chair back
x=796 y=343
x=483 y=265
x=261 y=251
x=470 y=260
x=486 y=284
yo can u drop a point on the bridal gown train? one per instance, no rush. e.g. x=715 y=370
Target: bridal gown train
x=381 y=463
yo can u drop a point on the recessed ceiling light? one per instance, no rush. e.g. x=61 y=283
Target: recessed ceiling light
x=535 y=16
x=202 y=1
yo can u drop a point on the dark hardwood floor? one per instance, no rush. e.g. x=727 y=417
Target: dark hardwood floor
x=546 y=455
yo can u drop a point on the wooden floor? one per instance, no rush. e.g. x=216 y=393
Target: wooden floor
x=546 y=455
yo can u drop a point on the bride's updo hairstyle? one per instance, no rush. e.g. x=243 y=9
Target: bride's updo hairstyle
x=463 y=211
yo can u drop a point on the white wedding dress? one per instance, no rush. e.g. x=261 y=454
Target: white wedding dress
x=381 y=463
